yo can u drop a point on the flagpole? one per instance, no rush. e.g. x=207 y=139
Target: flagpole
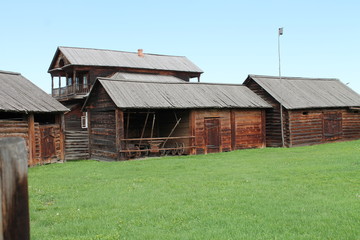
x=281 y=107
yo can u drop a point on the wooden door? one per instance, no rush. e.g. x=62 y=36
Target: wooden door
x=47 y=142
x=332 y=126
x=212 y=135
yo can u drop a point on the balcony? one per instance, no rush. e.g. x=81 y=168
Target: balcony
x=71 y=91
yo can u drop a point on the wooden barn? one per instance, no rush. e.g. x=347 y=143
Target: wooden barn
x=74 y=71
x=307 y=110
x=28 y=112
x=137 y=118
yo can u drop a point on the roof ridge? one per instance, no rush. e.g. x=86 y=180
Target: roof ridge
x=111 y=50
x=192 y=83
x=293 y=78
x=8 y=72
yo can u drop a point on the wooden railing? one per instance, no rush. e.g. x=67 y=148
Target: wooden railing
x=70 y=90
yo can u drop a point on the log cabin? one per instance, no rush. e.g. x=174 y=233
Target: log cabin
x=139 y=118
x=307 y=110
x=28 y=112
x=74 y=71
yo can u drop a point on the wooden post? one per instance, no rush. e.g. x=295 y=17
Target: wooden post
x=233 y=129
x=31 y=136
x=60 y=119
x=59 y=93
x=119 y=122
x=52 y=85
x=15 y=219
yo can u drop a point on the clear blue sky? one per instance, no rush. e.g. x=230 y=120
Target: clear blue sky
x=227 y=39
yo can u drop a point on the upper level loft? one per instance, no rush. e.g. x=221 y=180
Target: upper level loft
x=74 y=70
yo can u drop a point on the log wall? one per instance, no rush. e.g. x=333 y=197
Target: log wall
x=272 y=118
x=351 y=125
x=239 y=129
x=306 y=127
x=102 y=126
x=11 y=128
x=248 y=129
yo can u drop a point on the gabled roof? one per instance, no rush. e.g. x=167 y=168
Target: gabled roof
x=111 y=58
x=142 y=77
x=135 y=94
x=17 y=94
x=301 y=93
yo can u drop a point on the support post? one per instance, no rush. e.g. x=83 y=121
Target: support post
x=119 y=123
x=31 y=137
x=15 y=220
x=59 y=93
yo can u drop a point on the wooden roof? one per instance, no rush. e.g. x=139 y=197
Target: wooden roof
x=111 y=58
x=18 y=94
x=142 y=77
x=155 y=95
x=302 y=93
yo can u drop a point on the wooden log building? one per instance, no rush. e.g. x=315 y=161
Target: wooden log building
x=74 y=71
x=28 y=112
x=134 y=118
x=307 y=110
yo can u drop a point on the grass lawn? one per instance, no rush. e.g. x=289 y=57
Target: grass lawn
x=298 y=193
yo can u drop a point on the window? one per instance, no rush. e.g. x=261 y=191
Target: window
x=84 y=120
x=61 y=62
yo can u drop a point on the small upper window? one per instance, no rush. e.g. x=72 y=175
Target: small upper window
x=305 y=113
x=84 y=120
x=61 y=63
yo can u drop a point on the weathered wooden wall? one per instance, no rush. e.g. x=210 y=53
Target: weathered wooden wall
x=11 y=128
x=272 y=118
x=102 y=126
x=248 y=129
x=351 y=124
x=14 y=211
x=307 y=127
x=73 y=118
x=76 y=137
x=239 y=129
x=199 y=130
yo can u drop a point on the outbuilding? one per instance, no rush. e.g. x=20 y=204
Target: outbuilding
x=28 y=112
x=307 y=110
x=134 y=118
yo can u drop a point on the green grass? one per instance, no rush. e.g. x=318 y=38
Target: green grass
x=298 y=193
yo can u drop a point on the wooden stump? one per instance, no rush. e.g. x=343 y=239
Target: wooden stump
x=15 y=221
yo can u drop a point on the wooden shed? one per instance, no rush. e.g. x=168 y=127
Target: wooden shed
x=74 y=71
x=314 y=110
x=133 y=118
x=28 y=112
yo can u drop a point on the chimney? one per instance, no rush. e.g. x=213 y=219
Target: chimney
x=140 y=53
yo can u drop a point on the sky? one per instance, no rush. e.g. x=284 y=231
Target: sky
x=227 y=39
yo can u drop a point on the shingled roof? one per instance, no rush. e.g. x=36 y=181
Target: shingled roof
x=111 y=58
x=302 y=93
x=18 y=94
x=155 y=95
x=142 y=77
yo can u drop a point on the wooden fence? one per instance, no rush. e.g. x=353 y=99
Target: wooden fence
x=14 y=217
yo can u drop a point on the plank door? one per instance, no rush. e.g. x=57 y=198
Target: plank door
x=332 y=126
x=47 y=134
x=212 y=134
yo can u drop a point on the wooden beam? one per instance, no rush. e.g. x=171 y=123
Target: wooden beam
x=233 y=129
x=59 y=93
x=31 y=133
x=119 y=122
x=15 y=219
